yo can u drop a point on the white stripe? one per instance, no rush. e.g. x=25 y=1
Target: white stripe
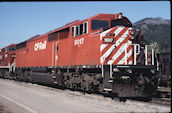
x=106 y=89
x=56 y=56
x=107 y=53
x=102 y=47
x=4 y=66
x=121 y=49
x=53 y=53
x=25 y=107
x=117 y=54
x=118 y=30
x=121 y=38
x=123 y=59
x=104 y=33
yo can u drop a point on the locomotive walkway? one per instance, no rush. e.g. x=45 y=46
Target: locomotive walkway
x=19 y=97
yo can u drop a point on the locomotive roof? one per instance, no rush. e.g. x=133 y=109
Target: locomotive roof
x=98 y=16
x=9 y=46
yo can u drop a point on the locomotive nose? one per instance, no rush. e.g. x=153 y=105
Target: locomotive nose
x=113 y=45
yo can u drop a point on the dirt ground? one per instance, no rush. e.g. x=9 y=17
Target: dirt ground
x=19 y=97
x=4 y=109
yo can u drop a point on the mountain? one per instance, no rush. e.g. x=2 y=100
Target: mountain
x=157 y=20
x=156 y=30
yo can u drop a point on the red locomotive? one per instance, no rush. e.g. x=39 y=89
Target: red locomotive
x=7 y=61
x=101 y=53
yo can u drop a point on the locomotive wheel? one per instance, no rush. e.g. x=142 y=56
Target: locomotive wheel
x=7 y=75
x=29 y=77
x=74 y=87
x=123 y=99
x=24 y=76
x=12 y=75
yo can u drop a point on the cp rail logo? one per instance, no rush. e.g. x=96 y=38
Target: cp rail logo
x=40 y=46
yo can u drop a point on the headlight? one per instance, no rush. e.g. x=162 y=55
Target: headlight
x=13 y=56
x=152 y=71
x=108 y=40
x=132 y=32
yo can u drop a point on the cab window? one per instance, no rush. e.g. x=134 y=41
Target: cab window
x=85 y=27
x=80 y=29
x=77 y=30
x=73 y=31
x=12 y=48
x=120 y=22
x=99 y=24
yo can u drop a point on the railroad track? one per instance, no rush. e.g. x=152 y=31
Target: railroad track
x=162 y=96
x=162 y=101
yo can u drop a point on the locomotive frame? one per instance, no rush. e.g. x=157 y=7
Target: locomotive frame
x=101 y=53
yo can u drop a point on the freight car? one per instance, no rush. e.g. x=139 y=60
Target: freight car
x=101 y=53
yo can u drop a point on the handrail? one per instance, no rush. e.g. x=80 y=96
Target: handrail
x=136 y=53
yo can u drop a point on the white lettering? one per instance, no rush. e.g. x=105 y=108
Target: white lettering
x=79 y=41
x=40 y=46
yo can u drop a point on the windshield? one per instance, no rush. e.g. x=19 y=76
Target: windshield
x=12 y=48
x=99 y=24
x=120 y=22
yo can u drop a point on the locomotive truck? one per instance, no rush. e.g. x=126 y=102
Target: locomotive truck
x=102 y=53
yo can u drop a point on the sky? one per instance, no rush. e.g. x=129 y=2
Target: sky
x=20 y=21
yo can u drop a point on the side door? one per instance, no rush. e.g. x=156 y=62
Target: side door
x=55 y=53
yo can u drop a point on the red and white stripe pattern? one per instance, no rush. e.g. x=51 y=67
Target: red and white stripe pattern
x=115 y=53
x=140 y=57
